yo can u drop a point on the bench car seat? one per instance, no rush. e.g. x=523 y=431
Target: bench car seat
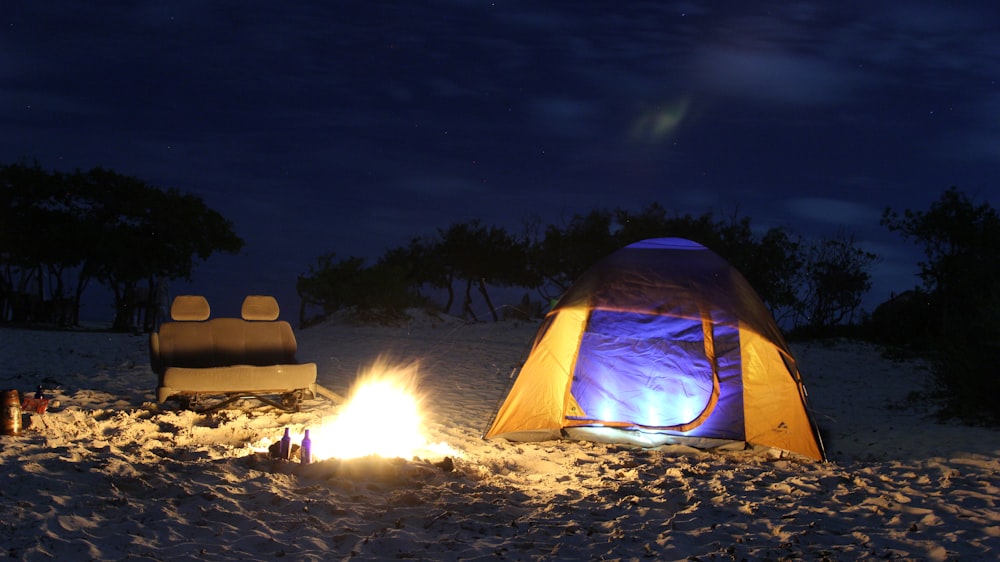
x=252 y=356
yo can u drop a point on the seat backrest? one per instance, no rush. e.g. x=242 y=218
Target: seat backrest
x=260 y=308
x=269 y=343
x=268 y=340
x=228 y=342
x=187 y=339
x=185 y=344
x=190 y=308
x=193 y=341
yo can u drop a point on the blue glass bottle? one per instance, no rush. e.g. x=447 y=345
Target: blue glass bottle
x=305 y=452
x=285 y=449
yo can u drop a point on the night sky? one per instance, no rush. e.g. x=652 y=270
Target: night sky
x=352 y=127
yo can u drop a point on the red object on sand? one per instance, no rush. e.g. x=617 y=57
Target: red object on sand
x=37 y=405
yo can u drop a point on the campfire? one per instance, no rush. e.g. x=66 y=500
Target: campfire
x=382 y=417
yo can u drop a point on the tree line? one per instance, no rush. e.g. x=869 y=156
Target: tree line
x=814 y=284
x=62 y=232
x=813 y=287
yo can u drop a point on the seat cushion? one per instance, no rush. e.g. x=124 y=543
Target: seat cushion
x=236 y=379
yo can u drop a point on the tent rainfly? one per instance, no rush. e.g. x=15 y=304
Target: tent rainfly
x=662 y=342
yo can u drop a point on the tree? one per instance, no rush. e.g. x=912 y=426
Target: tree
x=139 y=232
x=102 y=226
x=565 y=253
x=960 y=241
x=381 y=292
x=327 y=284
x=961 y=276
x=41 y=241
x=773 y=266
x=835 y=278
x=482 y=256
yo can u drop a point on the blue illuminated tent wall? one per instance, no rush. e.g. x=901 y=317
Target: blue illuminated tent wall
x=662 y=342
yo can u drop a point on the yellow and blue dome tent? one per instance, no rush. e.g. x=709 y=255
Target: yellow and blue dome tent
x=662 y=342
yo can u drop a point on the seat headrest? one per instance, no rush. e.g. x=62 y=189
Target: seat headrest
x=260 y=307
x=190 y=308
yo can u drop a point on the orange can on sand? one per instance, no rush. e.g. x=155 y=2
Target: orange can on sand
x=10 y=411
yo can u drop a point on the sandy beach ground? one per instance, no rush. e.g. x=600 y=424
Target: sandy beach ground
x=110 y=474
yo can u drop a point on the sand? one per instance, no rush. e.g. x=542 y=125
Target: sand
x=110 y=474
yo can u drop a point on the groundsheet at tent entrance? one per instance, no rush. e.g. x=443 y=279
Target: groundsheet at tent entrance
x=109 y=474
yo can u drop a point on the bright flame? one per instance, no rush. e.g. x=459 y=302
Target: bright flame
x=381 y=417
